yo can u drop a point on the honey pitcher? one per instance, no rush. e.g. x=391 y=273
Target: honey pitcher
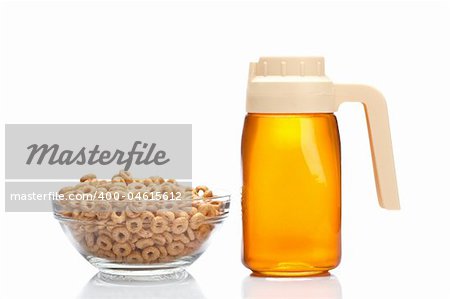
x=291 y=196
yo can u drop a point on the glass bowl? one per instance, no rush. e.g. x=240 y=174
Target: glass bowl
x=141 y=239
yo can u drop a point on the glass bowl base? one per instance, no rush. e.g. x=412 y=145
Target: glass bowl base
x=118 y=275
x=113 y=271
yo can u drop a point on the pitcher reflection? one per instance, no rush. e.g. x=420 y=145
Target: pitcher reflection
x=312 y=287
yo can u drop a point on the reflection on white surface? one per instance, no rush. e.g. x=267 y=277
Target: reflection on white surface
x=325 y=287
x=185 y=287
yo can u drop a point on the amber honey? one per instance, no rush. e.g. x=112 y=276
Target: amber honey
x=291 y=197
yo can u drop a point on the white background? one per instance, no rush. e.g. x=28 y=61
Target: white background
x=145 y=62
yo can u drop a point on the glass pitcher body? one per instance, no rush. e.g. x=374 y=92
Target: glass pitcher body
x=291 y=197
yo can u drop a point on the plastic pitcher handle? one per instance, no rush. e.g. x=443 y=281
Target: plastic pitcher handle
x=380 y=139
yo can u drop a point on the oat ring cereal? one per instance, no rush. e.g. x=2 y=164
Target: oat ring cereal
x=76 y=214
x=104 y=242
x=159 y=225
x=169 y=205
x=137 y=206
x=147 y=182
x=181 y=213
x=180 y=225
x=168 y=215
x=117 y=179
x=90 y=228
x=134 y=225
x=121 y=249
x=102 y=189
x=103 y=210
x=181 y=237
x=190 y=233
x=134 y=258
x=159 y=239
x=187 y=194
x=208 y=210
x=130 y=213
x=106 y=254
x=93 y=249
x=89 y=238
x=137 y=186
x=157 y=180
x=70 y=197
x=175 y=248
x=166 y=188
x=152 y=188
x=194 y=245
x=120 y=234
x=197 y=220
x=168 y=236
x=125 y=223
x=150 y=254
x=205 y=191
x=117 y=187
x=147 y=217
x=134 y=238
x=146 y=231
x=118 y=217
x=190 y=210
x=144 y=243
x=203 y=232
x=64 y=190
x=162 y=251
x=87 y=189
x=101 y=183
x=105 y=232
x=119 y=199
x=88 y=177
x=87 y=206
x=110 y=225
x=126 y=175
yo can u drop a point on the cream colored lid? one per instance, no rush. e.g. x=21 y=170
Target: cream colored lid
x=289 y=85
x=299 y=85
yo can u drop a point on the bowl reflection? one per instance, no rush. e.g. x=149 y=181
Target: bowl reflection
x=312 y=287
x=182 y=285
